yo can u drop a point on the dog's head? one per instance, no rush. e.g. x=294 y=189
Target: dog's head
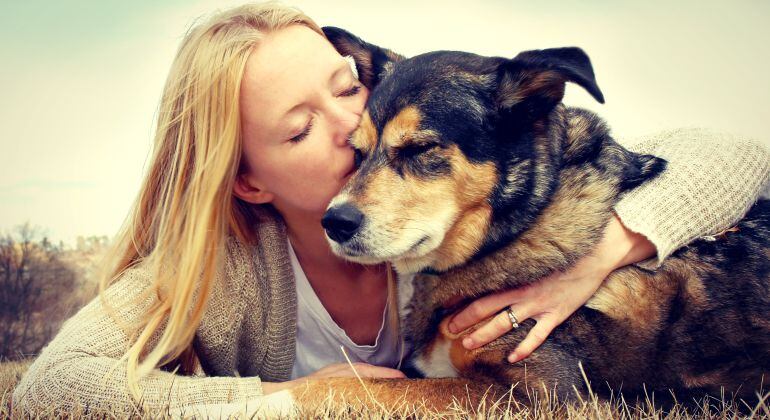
x=445 y=142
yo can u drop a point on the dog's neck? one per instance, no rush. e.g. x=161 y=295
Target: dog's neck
x=569 y=225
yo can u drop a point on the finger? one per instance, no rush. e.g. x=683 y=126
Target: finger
x=496 y=327
x=360 y=368
x=372 y=371
x=483 y=308
x=533 y=340
x=383 y=372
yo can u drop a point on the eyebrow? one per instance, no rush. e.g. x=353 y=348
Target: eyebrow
x=340 y=69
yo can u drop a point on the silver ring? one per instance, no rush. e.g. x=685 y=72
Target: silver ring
x=512 y=317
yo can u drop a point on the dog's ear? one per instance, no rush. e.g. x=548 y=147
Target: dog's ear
x=373 y=63
x=641 y=168
x=532 y=83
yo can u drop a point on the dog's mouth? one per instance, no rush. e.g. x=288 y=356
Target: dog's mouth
x=350 y=249
x=418 y=243
x=365 y=236
x=355 y=250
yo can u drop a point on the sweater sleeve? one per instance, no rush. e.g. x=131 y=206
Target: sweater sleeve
x=71 y=372
x=711 y=181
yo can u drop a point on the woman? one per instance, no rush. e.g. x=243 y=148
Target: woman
x=223 y=267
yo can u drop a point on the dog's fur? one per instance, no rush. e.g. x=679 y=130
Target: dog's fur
x=472 y=173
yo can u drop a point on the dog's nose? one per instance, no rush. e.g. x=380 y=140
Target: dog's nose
x=342 y=222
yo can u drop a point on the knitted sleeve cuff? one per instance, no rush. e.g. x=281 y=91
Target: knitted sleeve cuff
x=711 y=181
x=212 y=393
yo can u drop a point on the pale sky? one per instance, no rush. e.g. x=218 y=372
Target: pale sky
x=81 y=80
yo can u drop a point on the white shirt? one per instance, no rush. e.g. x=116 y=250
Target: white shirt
x=319 y=338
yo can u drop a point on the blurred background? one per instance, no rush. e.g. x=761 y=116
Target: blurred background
x=81 y=80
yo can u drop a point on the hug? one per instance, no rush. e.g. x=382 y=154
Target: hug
x=444 y=215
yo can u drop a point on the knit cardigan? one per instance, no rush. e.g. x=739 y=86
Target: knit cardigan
x=247 y=333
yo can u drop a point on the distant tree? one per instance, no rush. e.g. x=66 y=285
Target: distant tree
x=92 y=243
x=33 y=280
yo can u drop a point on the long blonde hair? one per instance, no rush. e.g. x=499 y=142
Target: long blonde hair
x=186 y=208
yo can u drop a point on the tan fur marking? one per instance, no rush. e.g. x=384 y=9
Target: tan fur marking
x=636 y=298
x=573 y=201
x=696 y=292
x=625 y=296
x=398 y=130
x=394 y=395
x=472 y=185
x=578 y=130
x=461 y=358
x=466 y=189
x=365 y=137
x=706 y=379
x=413 y=199
x=547 y=83
x=583 y=195
x=464 y=238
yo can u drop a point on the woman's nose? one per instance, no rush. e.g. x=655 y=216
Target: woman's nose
x=344 y=121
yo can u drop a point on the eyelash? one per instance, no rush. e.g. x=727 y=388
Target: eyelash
x=352 y=91
x=301 y=136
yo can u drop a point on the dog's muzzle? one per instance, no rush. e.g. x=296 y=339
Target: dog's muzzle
x=342 y=222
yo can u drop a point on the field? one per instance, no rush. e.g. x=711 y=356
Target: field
x=547 y=408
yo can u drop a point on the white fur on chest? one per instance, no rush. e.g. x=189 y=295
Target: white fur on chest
x=437 y=363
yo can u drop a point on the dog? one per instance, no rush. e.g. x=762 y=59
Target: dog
x=474 y=175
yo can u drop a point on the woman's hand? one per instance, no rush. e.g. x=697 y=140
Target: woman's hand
x=554 y=298
x=365 y=370
x=337 y=370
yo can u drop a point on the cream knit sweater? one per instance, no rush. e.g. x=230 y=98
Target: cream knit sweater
x=247 y=333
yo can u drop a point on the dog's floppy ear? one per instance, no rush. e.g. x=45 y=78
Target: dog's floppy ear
x=372 y=62
x=533 y=82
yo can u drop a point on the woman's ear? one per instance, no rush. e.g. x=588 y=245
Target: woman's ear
x=249 y=191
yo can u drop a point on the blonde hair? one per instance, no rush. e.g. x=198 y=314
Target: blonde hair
x=185 y=208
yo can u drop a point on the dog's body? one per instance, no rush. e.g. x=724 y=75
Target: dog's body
x=696 y=325
x=475 y=175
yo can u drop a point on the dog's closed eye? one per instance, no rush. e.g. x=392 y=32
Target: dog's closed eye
x=416 y=149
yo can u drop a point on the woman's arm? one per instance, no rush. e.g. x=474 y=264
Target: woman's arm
x=71 y=371
x=709 y=184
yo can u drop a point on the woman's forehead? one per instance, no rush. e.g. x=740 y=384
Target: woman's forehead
x=286 y=68
x=286 y=54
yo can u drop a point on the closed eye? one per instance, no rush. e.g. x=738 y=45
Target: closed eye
x=301 y=136
x=352 y=91
x=309 y=126
x=417 y=149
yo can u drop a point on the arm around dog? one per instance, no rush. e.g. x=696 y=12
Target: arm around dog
x=711 y=181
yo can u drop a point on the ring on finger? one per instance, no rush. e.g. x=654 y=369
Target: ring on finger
x=512 y=317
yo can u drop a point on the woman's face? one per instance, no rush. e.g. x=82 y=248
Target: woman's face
x=299 y=104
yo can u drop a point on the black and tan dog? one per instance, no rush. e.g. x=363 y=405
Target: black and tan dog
x=473 y=174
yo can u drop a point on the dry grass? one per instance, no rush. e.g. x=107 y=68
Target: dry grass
x=547 y=407
x=10 y=374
